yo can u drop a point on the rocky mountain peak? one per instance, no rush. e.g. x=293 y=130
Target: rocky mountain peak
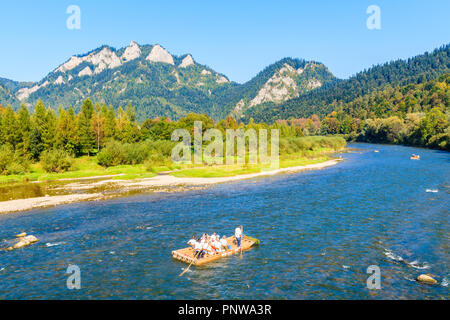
x=103 y=59
x=106 y=58
x=133 y=51
x=187 y=61
x=159 y=54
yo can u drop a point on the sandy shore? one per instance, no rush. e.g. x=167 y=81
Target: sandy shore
x=142 y=184
x=41 y=202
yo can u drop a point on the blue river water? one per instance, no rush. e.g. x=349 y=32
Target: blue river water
x=319 y=231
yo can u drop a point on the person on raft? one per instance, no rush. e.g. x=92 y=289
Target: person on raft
x=238 y=235
x=224 y=243
x=199 y=252
x=210 y=245
x=192 y=241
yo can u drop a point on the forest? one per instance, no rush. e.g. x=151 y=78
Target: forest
x=56 y=139
x=414 y=114
x=322 y=101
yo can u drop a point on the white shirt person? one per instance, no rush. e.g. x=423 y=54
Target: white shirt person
x=238 y=235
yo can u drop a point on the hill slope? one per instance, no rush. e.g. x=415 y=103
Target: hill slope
x=322 y=101
x=159 y=84
x=149 y=77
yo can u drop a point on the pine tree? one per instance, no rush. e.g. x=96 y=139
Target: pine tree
x=24 y=119
x=38 y=129
x=85 y=136
x=66 y=131
x=110 y=123
x=2 y=110
x=48 y=136
x=10 y=128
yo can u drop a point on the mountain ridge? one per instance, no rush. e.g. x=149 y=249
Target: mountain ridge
x=420 y=68
x=156 y=82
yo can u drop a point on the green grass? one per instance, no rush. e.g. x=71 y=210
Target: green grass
x=294 y=152
x=85 y=167
x=82 y=168
x=219 y=171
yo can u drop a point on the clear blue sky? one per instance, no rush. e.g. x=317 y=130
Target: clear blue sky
x=237 y=38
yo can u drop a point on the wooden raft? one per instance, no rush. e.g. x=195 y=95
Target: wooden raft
x=187 y=254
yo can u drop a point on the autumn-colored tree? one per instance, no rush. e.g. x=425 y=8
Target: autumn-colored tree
x=98 y=122
x=66 y=131
x=434 y=123
x=124 y=127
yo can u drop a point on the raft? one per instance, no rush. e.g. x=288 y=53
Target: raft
x=186 y=255
x=415 y=157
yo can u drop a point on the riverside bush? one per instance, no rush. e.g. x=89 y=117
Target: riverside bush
x=16 y=168
x=12 y=162
x=56 y=161
x=116 y=153
x=155 y=160
x=303 y=144
x=6 y=157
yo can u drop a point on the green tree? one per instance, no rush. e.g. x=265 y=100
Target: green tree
x=24 y=119
x=126 y=130
x=85 y=135
x=110 y=121
x=38 y=129
x=434 y=123
x=48 y=135
x=10 y=128
x=66 y=131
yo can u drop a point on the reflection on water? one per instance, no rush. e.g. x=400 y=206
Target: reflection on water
x=319 y=232
x=34 y=189
x=22 y=190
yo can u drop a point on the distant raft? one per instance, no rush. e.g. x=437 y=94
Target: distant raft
x=186 y=255
x=415 y=157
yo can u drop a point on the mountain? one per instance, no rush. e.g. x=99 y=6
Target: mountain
x=157 y=83
x=280 y=82
x=150 y=78
x=7 y=89
x=322 y=101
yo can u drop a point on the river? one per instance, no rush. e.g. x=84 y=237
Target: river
x=319 y=232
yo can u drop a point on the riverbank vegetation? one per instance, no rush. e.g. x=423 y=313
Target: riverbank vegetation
x=44 y=145
x=415 y=114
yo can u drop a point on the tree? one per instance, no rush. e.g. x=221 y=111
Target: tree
x=85 y=136
x=24 y=122
x=66 y=131
x=434 y=123
x=124 y=127
x=48 y=135
x=110 y=121
x=2 y=110
x=38 y=128
x=10 y=128
x=98 y=126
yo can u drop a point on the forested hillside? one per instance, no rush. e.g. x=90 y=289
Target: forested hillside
x=405 y=101
x=414 y=114
x=160 y=84
x=322 y=101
